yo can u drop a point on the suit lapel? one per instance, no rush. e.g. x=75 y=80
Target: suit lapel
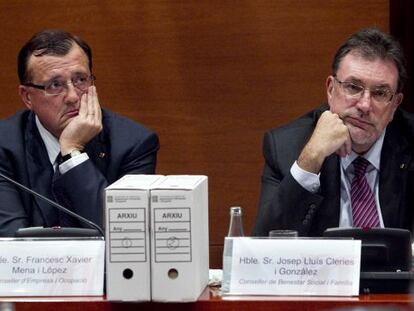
x=97 y=152
x=330 y=190
x=393 y=175
x=40 y=171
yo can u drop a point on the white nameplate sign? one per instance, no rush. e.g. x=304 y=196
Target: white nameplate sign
x=295 y=267
x=40 y=267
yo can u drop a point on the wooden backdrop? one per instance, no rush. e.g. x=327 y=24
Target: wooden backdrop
x=209 y=76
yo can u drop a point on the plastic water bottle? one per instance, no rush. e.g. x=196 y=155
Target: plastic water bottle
x=235 y=230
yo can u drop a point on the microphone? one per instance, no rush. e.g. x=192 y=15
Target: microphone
x=51 y=231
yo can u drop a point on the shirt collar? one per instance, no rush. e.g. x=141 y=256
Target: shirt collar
x=50 y=141
x=373 y=155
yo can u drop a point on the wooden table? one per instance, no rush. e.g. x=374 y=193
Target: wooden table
x=211 y=300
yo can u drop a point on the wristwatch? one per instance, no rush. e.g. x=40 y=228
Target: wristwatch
x=70 y=155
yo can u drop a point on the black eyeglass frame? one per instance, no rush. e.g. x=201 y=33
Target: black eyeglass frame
x=92 y=79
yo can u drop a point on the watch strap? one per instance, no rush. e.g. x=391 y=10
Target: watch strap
x=70 y=155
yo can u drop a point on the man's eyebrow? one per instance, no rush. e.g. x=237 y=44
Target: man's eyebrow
x=383 y=86
x=54 y=77
x=354 y=80
x=59 y=76
x=78 y=73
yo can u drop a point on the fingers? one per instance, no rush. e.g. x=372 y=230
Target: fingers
x=331 y=135
x=83 y=107
x=89 y=106
x=346 y=148
x=93 y=107
x=90 y=101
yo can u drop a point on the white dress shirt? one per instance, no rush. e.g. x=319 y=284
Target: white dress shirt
x=311 y=181
x=53 y=150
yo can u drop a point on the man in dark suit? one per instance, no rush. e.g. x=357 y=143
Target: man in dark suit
x=308 y=179
x=65 y=146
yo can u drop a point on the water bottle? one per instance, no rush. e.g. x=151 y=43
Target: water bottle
x=235 y=230
x=7 y=306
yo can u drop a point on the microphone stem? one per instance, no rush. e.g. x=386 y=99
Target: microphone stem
x=58 y=206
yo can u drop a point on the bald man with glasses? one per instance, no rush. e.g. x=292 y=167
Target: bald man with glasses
x=348 y=163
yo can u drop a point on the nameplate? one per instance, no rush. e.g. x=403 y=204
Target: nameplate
x=39 y=267
x=295 y=267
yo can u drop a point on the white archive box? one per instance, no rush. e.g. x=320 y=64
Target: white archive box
x=179 y=238
x=127 y=234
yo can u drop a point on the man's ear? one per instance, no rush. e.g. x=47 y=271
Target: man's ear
x=398 y=99
x=329 y=88
x=25 y=96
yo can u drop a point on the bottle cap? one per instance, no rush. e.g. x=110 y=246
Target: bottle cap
x=235 y=210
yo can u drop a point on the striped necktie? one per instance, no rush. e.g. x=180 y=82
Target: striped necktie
x=364 y=210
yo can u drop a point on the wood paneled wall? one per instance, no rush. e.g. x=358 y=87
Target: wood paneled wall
x=209 y=76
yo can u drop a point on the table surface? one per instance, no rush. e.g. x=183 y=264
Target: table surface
x=211 y=299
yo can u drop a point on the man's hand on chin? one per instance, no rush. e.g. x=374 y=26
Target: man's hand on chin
x=85 y=126
x=330 y=135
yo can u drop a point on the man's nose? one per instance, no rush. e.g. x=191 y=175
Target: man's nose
x=365 y=102
x=72 y=93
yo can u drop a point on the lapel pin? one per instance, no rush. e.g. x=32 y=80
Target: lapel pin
x=101 y=155
x=402 y=166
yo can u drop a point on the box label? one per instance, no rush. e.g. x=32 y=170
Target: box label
x=172 y=234
x=127 y=235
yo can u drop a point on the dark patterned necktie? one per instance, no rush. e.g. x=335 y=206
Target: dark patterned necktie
x=364 y=210
x=65 y=220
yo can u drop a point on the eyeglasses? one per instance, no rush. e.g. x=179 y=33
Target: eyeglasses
x=58 y=86
x=381 y=95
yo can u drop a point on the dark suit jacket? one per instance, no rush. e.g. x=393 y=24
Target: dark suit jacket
x=284 y=204
x=122 y=147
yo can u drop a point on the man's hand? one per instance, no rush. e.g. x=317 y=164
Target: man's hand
x=330 y=135
x=85 y=126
